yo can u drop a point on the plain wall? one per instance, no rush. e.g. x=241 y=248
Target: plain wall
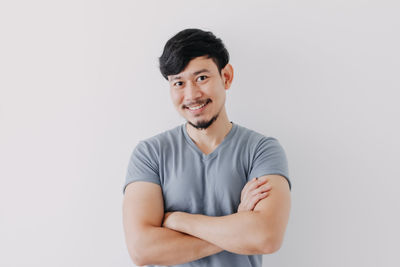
x=80 y=86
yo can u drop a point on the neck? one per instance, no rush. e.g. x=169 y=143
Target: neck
x=214 y=134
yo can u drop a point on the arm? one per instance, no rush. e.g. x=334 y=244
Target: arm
x=250 y=232
x=147 y=241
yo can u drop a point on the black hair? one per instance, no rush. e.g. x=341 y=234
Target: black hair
x=188 y=44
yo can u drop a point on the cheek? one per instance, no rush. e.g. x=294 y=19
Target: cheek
x=176 y=98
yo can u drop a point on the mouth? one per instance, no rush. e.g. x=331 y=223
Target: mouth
x=198 y=108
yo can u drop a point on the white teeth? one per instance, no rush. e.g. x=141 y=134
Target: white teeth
x=198 y=107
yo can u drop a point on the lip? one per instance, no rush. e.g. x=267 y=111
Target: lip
x=197 y=111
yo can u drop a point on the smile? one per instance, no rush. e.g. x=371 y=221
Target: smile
x=199 y=107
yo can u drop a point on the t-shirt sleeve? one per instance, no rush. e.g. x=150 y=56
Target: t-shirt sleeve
x=269 y=158
x=143 y=165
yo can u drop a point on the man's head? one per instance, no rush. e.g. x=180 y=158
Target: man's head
x=195 y=63
x=189 y=44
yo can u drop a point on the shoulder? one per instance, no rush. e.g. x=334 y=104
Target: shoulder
x=267 y=154
x=253 y=138
x=162 y=140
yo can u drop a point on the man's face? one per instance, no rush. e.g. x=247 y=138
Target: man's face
x=198 y=92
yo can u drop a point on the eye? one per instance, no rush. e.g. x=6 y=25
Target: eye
x=178 y=84
x=201 y=78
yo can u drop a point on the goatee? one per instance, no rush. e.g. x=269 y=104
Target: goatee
x=202 y=125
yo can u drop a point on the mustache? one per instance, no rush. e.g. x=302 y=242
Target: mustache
x=201 y=102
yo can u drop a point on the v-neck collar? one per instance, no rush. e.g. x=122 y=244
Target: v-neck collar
x=215 y=151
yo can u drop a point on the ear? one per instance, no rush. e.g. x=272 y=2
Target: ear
x=227 y=75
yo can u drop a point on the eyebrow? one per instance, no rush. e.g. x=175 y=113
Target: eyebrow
x=193 y=74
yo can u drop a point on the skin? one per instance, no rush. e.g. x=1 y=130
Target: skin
x=252 y=193
x=173 y=238
x=198 y=83
x=151 y=242
x=259 y=231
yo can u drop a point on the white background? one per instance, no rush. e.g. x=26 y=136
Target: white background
x=80 y=86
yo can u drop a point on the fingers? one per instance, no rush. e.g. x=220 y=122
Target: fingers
x=249 y=204
x=252 y=185
x=256 y=198
x=254 y=191
x=257 y=183
x=264 y=188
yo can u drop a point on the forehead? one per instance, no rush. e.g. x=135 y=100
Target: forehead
x=195 y=67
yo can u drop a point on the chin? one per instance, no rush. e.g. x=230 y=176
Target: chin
x=203 y=124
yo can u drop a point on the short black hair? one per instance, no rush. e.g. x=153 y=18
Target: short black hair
x=188 y=44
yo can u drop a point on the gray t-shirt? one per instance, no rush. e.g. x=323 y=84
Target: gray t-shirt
x=207 y=184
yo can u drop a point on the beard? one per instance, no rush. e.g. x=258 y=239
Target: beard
x=202 y=125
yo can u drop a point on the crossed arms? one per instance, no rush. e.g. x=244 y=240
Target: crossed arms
x=153 y=237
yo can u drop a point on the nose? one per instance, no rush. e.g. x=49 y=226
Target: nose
x=192 y=92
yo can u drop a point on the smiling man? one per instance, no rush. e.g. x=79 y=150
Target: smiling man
x=208 y=192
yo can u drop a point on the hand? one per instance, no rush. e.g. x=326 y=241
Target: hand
x=255 y=190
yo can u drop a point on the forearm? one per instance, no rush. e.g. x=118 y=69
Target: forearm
x=241 y=233
x=260 y=231
x=163 y=246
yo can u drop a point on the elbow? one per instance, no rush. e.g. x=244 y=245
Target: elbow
x=138 y=254
x=270 y=245
x=137 y=261
x=137 y=258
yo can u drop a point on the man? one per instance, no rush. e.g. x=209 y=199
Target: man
x=209 y=192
